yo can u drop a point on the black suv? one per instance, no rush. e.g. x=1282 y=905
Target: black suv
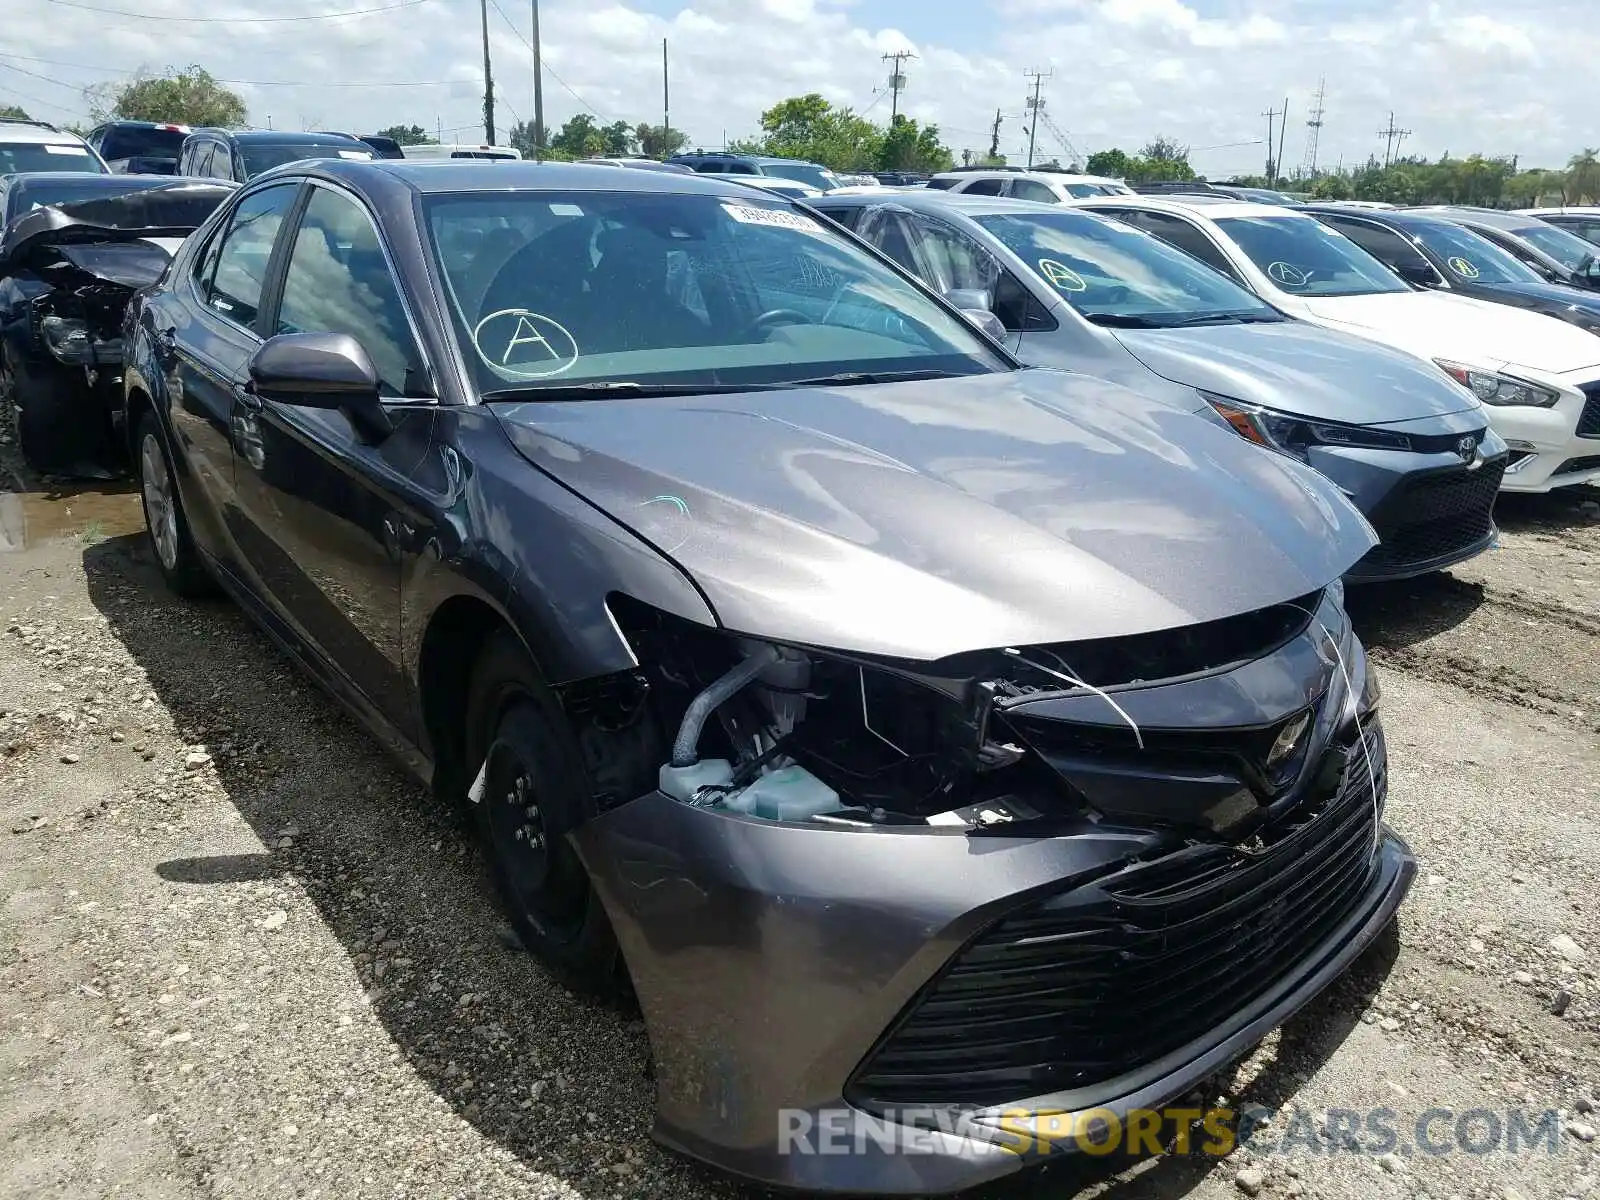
x=241 y=155
x=139 y=147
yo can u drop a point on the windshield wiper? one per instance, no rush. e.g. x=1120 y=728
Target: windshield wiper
x=612 y=389
x=1219 y=318
x=1123 y=321
x=850 y=378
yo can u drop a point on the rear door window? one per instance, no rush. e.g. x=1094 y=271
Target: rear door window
x=1175 y=231
x=984 y=187
x=1032 y=189
x=233 y=271
x=1388 y=247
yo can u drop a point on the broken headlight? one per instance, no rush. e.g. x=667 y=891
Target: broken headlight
x=69 y=341
x=1296 y=435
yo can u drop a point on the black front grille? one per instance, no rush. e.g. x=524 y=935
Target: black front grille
x=1435 y=516
x=1589 y=418
x=1092 y=983
x=1573 y=465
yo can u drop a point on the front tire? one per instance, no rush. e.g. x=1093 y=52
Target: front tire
x=170 y=540
x=59 y=428
x=534 y=792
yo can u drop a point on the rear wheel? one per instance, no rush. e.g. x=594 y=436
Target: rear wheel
x=534 y=792
x=175 y=553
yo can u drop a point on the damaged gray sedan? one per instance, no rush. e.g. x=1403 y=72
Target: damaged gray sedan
x=915 y=737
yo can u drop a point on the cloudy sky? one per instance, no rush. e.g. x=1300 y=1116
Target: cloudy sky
x=1462 y=75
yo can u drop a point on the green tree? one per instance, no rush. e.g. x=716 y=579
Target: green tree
x=1160 y=159
x=580 y=137
x=521 y=138
x=1583 y=176
x=810 y=128
x=905 y=147
x=407 y=135
x=13 y=112
x=1113 y=164
x=1331 y=187
x=657 y=141
x=620 y=139
x=187 y=97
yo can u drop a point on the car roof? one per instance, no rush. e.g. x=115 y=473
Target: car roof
x=1399 y=218
x=1493 y=217
x=1207 y=207
x=937 y=201
x=29 y=131
x=1580 y=210
x=285 y=137
x=439 y=175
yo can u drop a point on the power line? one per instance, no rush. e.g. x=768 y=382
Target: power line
x=124 y=12
x=599 y=112
x=55 y=62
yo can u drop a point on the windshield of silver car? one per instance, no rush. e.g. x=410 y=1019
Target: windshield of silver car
x=574 y=288
x=1304 y=257
x=1118 y=276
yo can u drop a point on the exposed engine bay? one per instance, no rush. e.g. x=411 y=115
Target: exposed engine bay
x=1153 y=729
x=67 y=273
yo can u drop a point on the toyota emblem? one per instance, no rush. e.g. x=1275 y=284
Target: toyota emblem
x=1466 y=447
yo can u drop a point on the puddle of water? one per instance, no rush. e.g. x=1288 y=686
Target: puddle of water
x=91 y=514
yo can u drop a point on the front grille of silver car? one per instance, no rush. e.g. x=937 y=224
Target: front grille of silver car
x=1094 y=983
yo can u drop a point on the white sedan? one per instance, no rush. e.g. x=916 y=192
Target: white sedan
x=1538 y=377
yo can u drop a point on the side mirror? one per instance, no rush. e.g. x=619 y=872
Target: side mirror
x=1417 y=274
x=970 y=299
x=322 y=370
x=1589 y=273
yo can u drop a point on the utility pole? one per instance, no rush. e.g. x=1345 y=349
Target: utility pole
x=1035 y=107
x=1309 y=167
x=994 y=138
x=897 y=81
x=538 y=89
x=1389 y=135
x=1271 y=115
x=1283 y=128
x=488 y=78
x=666 y=96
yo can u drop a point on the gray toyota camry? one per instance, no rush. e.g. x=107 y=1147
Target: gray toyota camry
x=916 y=738
x=1407 y=444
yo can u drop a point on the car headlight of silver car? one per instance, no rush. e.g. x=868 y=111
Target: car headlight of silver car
x=1295 y=435
x=1491 y=387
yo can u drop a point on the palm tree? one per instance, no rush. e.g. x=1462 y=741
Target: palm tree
x=1583 y=176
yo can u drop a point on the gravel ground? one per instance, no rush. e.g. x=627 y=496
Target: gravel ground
x=241 y=954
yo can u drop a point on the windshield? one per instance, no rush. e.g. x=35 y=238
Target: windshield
x=259 y=158
x=139 y=141
x=1566 y=248
x=48 y=156
x=554 y=288
x=1116 y=275
x=1470 y=257
x=1306 y=258
x=818 y=177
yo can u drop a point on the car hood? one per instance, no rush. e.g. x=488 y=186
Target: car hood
x=1475 y=332
x=1574 y=305
x=921 y=519
x=166 y=210
x=1299 y=368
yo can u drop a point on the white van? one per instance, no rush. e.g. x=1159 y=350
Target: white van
x=434 y=150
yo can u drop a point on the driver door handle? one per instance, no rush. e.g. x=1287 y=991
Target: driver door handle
x=246 y=396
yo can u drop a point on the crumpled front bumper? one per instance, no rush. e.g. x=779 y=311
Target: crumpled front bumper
x=770 y=958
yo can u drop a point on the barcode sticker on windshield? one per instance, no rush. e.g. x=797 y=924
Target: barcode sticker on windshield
x=771 y=216
x=80 y=151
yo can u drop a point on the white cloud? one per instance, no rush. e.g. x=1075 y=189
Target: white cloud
x=1463 y=75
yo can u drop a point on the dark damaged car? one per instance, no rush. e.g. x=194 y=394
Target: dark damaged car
x=75 y=247
x=915 y=737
